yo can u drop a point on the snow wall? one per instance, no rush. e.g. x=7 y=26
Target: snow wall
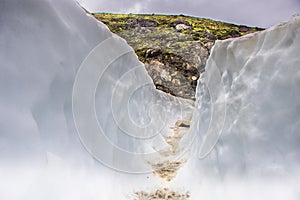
x=253 y=83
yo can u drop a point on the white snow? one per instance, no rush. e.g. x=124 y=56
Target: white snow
x=249 y=99
x=261 y=78
x=43 y=45
x=258 y=152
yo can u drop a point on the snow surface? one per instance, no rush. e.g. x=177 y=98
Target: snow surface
x=249 y=99
x=258 y=152
x=46 y=46
x=260 y=75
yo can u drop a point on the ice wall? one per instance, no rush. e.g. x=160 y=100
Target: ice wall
x=258 y=91
x=42 y=46
x=45 y=47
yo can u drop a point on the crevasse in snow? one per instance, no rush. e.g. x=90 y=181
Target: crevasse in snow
x=247 y=114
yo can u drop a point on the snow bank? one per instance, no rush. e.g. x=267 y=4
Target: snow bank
x=45 y=48
x=42 y=46
x=260 y=74
x=258 y=98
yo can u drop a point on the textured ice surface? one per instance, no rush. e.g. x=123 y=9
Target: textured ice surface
x=42 y=45
x=258 y=153
x=261 y=77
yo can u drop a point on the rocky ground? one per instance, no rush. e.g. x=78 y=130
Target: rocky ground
x=174 y=49
x=161 y=194
x=167 y=168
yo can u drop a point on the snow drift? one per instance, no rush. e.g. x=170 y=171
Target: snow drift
x=247 y=121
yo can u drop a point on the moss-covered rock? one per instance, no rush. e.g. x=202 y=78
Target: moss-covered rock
x=174 y=48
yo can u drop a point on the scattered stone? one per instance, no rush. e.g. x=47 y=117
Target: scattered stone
x=182 y=123
x=176 y=82
x=180 y=27
x=175 y=23
x=150 y=53
x=165 y=75
x=172 y=73
x=167 y=170
x=161 y=194
x=194 y=78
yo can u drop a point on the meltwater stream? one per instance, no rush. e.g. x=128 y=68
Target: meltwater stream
x=81 y=119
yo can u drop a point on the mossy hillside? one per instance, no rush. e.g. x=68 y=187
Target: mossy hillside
x=201 y=29
x=174 y=48
x=200 y=26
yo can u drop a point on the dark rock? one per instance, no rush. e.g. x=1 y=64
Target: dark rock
x=141 y=22
x=153 y=52
x=243 y=28
x=172 y=73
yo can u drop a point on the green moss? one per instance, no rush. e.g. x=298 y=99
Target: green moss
x=138 y=31
x=141 y=53
x=183 y=52
x=201 y=28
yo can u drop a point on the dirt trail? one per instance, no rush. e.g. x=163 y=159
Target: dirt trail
x=168 y=169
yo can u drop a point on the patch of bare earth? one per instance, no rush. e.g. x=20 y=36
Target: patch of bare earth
x=161 y=194
x=167 y=170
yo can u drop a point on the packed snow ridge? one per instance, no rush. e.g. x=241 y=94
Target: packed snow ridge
x=246 y=119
